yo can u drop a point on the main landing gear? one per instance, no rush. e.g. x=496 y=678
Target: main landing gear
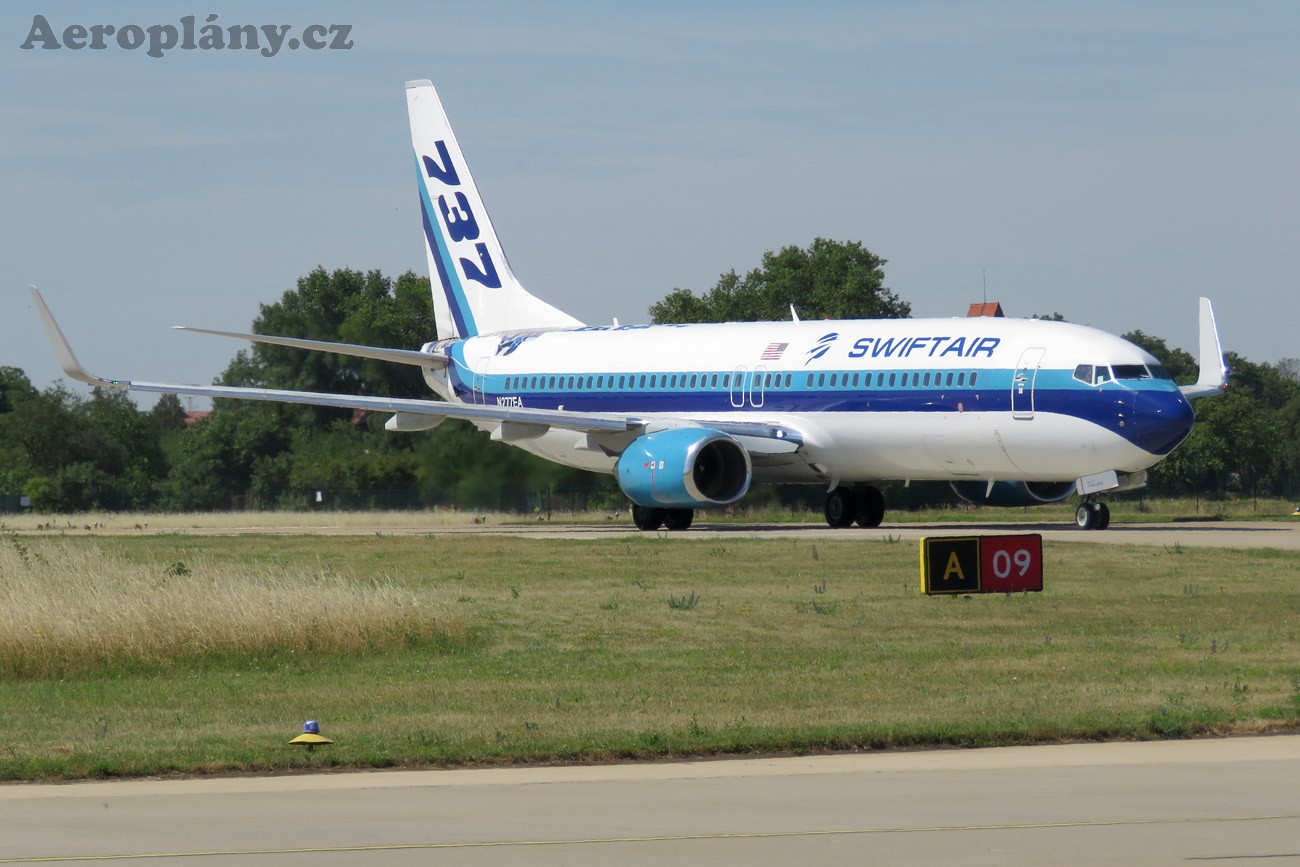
x=652 y=518
x=862 y=504
x=1092 y=515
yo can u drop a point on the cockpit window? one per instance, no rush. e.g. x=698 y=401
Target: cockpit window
x=1093 y=374
x=1158 y=371
x=1132 y=371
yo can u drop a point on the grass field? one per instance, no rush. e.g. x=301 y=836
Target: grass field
x=140 y=654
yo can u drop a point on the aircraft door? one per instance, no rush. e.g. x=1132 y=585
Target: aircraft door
x=480 y=379
x=1022 y=383
x=738 y=387
x=758 y=386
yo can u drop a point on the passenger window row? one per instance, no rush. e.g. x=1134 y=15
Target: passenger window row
x=896 y=379
x=644 y=381
x=672 y=381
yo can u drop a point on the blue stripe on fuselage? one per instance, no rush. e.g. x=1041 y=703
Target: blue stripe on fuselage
x=1151 y=414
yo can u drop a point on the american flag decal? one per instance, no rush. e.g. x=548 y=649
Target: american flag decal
x=773 y=351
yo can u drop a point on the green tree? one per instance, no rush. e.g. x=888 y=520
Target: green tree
x=827 y=280
x=1288 y=370
x=1180 y=364
x=1244 y=440
x=349 y=461
x=1267 y=383
x=238 y=450
x=17 y=397
x=69 y=453
x=1234 y=447
x=343 y=306
x=120 y=435
x=1289 y=418
x=168 y=415
x=44 y=428
x=459 y=466
x=15 y=388
x=279 y=454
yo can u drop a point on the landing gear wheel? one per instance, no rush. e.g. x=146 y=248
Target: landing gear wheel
x=841 y=508
x=1084 y=517
x=871 y=507
x=648 y=517
x=1092 y=516
x=678 y=519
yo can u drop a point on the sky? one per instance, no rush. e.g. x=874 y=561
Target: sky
x=1108 y=161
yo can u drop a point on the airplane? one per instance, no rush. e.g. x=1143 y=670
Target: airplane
x=1008 y=411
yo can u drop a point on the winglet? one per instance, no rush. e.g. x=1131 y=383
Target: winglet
x=1214 y=373
x=63 y=350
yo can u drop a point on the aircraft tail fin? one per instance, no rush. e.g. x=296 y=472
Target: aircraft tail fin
x=474 y=290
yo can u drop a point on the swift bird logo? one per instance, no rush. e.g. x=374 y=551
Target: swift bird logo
x=823 y=346
x=511 y=342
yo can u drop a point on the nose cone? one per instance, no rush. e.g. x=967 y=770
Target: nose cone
x=1161 y=420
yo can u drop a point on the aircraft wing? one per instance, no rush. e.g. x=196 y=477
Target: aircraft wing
x=591 y=422
x=515 y=421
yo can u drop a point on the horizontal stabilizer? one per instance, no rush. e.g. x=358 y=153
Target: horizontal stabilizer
x=378 y=353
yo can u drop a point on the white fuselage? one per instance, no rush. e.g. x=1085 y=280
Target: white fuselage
x=949 y=399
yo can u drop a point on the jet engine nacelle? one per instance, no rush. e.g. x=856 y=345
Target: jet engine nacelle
x=1013 y=493
x=684 y=468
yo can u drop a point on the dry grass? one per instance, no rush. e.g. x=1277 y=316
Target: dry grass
x=69 y=608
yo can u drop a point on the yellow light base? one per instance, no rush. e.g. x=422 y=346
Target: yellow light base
x=310 y=740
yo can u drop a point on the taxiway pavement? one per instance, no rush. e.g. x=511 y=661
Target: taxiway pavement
x=1224 y=801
